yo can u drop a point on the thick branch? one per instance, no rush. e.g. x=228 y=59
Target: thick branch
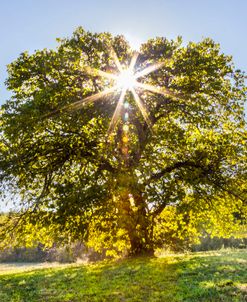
x=177 y=165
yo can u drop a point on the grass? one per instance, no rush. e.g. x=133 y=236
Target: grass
x=212 y=276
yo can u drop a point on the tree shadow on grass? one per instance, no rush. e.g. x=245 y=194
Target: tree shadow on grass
x=37 y=285
x=143 y=279
x=173 y=279
x=214 y=278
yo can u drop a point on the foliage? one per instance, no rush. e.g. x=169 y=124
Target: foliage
x=199 y=277
x=181 y=227
x=54 y=152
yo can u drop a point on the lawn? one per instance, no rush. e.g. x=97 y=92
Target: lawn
x=211 y=276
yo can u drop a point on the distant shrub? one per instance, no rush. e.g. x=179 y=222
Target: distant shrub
x=63 y=254
x=216 y=243
x=23 y=254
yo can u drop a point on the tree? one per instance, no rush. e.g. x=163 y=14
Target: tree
x=78 y=172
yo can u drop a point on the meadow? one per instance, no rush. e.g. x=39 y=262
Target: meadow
x=210 y=276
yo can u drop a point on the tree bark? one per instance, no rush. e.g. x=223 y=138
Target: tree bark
x=137 y=225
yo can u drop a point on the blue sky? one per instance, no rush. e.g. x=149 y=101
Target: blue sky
x=33 y=24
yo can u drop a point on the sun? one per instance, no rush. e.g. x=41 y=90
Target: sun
x=126 y=79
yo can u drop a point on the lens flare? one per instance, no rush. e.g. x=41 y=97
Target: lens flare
x=126 y=116
x=125 y=139
x=126 y=105
x=125 y=128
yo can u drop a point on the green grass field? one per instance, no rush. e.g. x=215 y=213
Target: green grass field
x=212 y=276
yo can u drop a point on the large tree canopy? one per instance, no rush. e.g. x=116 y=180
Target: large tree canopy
x=73 y=176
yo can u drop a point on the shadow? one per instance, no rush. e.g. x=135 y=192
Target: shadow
x=140 y=279
x=217 y=277
x=197 y=277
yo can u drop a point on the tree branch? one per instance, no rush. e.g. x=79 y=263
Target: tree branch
x=177 y=165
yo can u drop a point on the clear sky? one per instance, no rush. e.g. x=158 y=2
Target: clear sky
x=35 y=24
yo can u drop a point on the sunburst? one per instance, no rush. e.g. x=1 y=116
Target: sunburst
x=124 y=80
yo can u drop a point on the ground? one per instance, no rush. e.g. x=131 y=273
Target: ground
x=212 y=276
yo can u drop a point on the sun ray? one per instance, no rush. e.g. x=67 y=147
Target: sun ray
x=142 y=108
x=117 y=111
x=116 y=59
x=92 y=98
x=155 y=89
x=78 y=104
x=104 y=74
x=133 y=60
x=148 y=70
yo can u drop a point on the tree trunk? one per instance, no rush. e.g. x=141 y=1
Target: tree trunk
x=139 y=247
x=137 y=225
